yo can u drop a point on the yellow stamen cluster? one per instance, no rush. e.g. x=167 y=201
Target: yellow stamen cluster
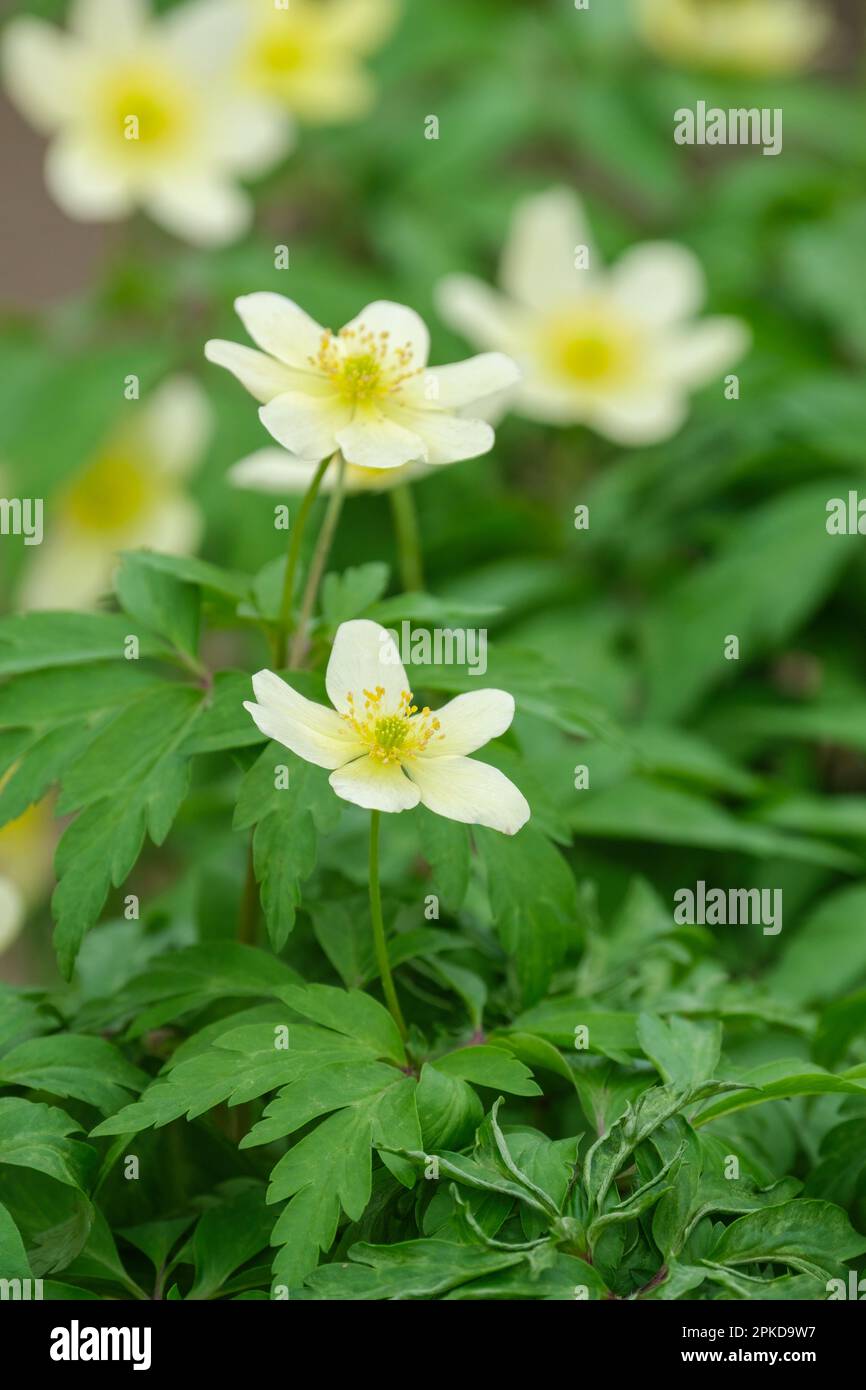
x=363 y=365
x=391 y=738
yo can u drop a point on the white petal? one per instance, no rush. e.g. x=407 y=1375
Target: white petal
x=375 y=785
x=87 y=189
x=69 y=570
x=363 y=657
x=371 y=439
x=643 y=418
x=177 y=422
x=253 y=136
x=550 y=402
x=658 y=281
x=313 y=731
x=263 y=377
x=202 y=209
x=469 y=721
x=306 y=425
x=466 y=790
x=479 y=313
x=538 y=264
x=175 y=526
x=41 y=71
x=277 y=471
x=359 y=24
x=703 y=351
x=404 y=327
x=205 y=34
x=111 y=25
x=11 y=913
x=446 y=438
x=461 y=384
x=281 y=327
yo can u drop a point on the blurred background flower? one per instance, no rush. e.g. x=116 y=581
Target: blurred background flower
x=308 y=55
x=142 y=113
x=26 y=851
x=617 y=350
x=747 y=36
x=130 y=494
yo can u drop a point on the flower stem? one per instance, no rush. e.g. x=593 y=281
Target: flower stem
x=379 y=929
x=317 y=565
x=296 y=535
x=408 y=538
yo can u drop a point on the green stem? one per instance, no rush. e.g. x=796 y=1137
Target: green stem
x=379 y=929
x=296 y=535
x=408 y=538
x=317 y=565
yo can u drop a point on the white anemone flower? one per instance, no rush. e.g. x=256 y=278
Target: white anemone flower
x=620 y=349
x=385 y=754
x=131 y=494
x=143 y=112
x=366 y=390
x=743 y=36
x=279 y=472
x=308 y=56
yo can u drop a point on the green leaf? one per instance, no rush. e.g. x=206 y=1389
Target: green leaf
x=33 y=641
x=780 y=550
x=36 y=1136
x=448 y=1109
x=87 y=1069
x=349 y=1012
x=228 y=1235
x=351 y=593
x=327 y=1170
x=131 y=781
x=802 y=1233
x=828 y=954
x=407 y=1270
x=159 y=600
x=489 y=1066
x=13 y=1257
x=683 y=1052
x=779 y=1079
x=533 y=897
x=639 y=809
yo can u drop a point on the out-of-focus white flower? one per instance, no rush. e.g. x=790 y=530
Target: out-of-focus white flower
x=307 y=56
x=26 y=851
x=277 y=471
x=144 y=112
x=131 y=494
x=383 y=752
x=366 y=390
x=619 y=350
x=747 y=36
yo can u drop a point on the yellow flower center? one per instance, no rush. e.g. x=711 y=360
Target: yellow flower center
x=363 y=366
x=395 y=737
x=279 y=53
x=144 y=111
x=592 y=350
x=110 y=493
